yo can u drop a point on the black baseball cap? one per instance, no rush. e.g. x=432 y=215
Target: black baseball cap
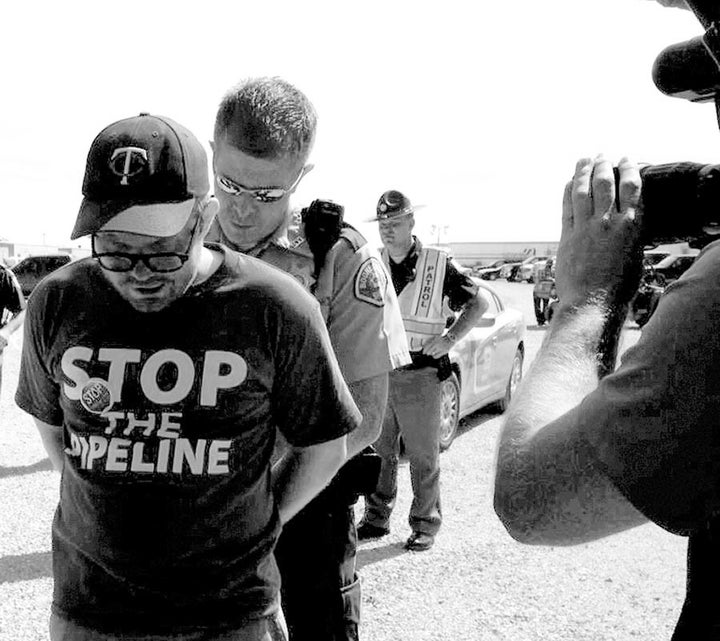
x=142 y=175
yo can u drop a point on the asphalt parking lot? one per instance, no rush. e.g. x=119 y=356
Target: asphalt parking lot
x=475 y=584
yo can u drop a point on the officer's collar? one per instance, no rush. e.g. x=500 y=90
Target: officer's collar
x=279 y=237
x=412 y=254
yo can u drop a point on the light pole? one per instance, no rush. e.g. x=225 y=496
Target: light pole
x=438 y=231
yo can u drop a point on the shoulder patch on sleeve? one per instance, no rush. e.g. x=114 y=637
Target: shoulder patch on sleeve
x=371 y=282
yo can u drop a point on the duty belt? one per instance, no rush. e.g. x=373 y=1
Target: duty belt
x=420 y=360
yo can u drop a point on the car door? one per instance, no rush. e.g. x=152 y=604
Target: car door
x=678 y=267
x=475 y=354
x=503 y=330
x=507 y=335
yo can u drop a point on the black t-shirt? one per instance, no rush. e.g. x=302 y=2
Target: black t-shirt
x=166 y=520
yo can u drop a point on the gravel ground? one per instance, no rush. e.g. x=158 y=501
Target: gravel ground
x=476 y=584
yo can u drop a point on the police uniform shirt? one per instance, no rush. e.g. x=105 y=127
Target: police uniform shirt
x=362 y=316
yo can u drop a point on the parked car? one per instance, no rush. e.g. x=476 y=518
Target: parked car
x=32 y=269
x=493 y=270
x=487 y=364
x=526 y=270
x=675 y=265
x=657 y=275
x=654 y=256
x=507 y=270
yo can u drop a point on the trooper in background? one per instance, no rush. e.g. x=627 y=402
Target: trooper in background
x=264 y=133
x=424 y=280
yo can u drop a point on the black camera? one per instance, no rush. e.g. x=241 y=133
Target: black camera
x=681 y=201
x=323 y=223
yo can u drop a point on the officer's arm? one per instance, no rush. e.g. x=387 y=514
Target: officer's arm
x=303 y=472
x=468 y=317
x=52 y=440
x=370 y=395
x=466 y=320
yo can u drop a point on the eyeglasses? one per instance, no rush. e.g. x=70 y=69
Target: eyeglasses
x=261 y=194
x=161 y=262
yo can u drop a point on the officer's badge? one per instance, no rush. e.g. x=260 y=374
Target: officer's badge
x=371 y=282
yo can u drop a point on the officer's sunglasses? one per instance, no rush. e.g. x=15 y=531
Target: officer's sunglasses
x=261 y=194
x=161 y=262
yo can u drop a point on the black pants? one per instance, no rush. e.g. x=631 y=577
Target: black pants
x=540 y=305
x=316 y=556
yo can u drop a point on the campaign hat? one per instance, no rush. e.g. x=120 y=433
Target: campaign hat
x=393 y=204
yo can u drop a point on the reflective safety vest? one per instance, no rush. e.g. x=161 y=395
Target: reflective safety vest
x=421 y=300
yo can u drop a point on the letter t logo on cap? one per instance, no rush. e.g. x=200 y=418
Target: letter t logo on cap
x=126 y=169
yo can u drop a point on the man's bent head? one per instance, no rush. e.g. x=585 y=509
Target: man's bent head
x=264 y=133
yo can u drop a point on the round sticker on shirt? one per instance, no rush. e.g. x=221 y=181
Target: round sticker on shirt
x=371 y=282
x=95 y=396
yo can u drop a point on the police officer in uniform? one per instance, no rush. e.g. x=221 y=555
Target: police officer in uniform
x=264 y=132
x=424 y=279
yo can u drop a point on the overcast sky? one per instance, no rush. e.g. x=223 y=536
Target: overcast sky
x=478 y=111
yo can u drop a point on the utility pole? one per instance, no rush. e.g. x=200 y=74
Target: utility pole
x=439 y=230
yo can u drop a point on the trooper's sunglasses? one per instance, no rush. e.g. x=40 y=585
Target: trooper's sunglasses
x=161 y=262
x=261 y=194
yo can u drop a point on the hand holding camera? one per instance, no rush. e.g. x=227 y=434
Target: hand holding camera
x=600 y=254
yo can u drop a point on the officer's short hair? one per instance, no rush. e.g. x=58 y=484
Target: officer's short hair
x=266 y=118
